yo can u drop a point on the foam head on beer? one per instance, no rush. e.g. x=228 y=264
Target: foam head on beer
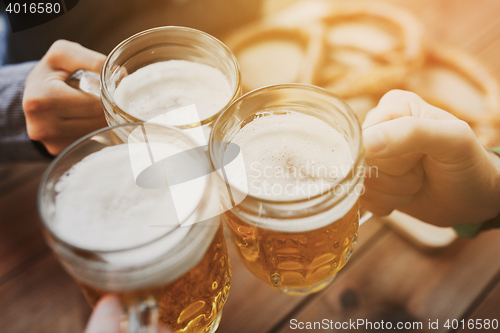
x=299 y=229
x=290 y=155
x=164 y=86
x=99 y=206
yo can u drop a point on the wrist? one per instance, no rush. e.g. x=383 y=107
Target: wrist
x=493 y=195
x=472 y=229
x=494 y=155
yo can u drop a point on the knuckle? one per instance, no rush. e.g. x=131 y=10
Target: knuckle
x=37 y=132
x=403 y=99
x=381 y=211
x=38 y=129
x=32 y=105
x=61 y=44
x=464 y=133
x=53 y=150
x=401 y=94
x=394 y=93
x=463 y=127
x=58 y=50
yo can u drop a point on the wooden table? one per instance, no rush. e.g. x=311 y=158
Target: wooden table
x=386 y=279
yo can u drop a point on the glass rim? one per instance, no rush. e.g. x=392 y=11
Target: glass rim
x=43 y=219
x=104 y=87
x=303 y=86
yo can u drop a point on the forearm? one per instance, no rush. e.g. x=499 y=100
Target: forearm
x=15 y=145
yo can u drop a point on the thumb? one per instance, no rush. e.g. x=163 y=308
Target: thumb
x=106 y=316
x=444 y=140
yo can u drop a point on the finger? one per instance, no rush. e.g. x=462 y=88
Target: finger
x=73 y=129
x=409 y=183
x=399 y=103
x=448 y=141
x=56 y=147
x=58 y=134
x=106 y=316
x=85 y=126
x=384 y=200
x=376 y=210
x=69 y=57
x=56 y=97
x=83 y=105
x=395 y=166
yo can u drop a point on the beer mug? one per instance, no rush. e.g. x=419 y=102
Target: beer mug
x=115 y=237
x=296 y=244
x=151 y=47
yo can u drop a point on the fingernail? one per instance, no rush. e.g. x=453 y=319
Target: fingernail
x=374 y=140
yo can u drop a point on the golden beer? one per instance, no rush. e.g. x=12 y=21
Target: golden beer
x=301 y=146
x=119 y=228
x=191 y=303
x=286 y=260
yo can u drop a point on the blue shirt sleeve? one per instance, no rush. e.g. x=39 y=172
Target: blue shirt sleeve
x=15 y=145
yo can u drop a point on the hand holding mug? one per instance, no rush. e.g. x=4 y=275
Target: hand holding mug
x=430 y=164
x=107 y=315
x=57 y=114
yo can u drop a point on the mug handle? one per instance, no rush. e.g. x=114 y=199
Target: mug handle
x=364 y=215
x=86 y=81
x=141 y=317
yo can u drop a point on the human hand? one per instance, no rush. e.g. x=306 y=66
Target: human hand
x=430 y=164
x=107 y=315
x=57 y=114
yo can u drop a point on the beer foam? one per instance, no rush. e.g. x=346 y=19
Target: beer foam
x=291 y=156
x=164 y=86
x=98 y=205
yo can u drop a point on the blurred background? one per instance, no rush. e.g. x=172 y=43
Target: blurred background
x=447 y=51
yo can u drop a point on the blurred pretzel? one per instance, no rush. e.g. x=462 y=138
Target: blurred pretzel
x=359 y=69
x=483 y=113
x=381 y=69
x=309 y=39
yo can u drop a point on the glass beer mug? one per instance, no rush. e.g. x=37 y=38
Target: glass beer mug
x=159 y=45
x=295 y=243
x=115 y=237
